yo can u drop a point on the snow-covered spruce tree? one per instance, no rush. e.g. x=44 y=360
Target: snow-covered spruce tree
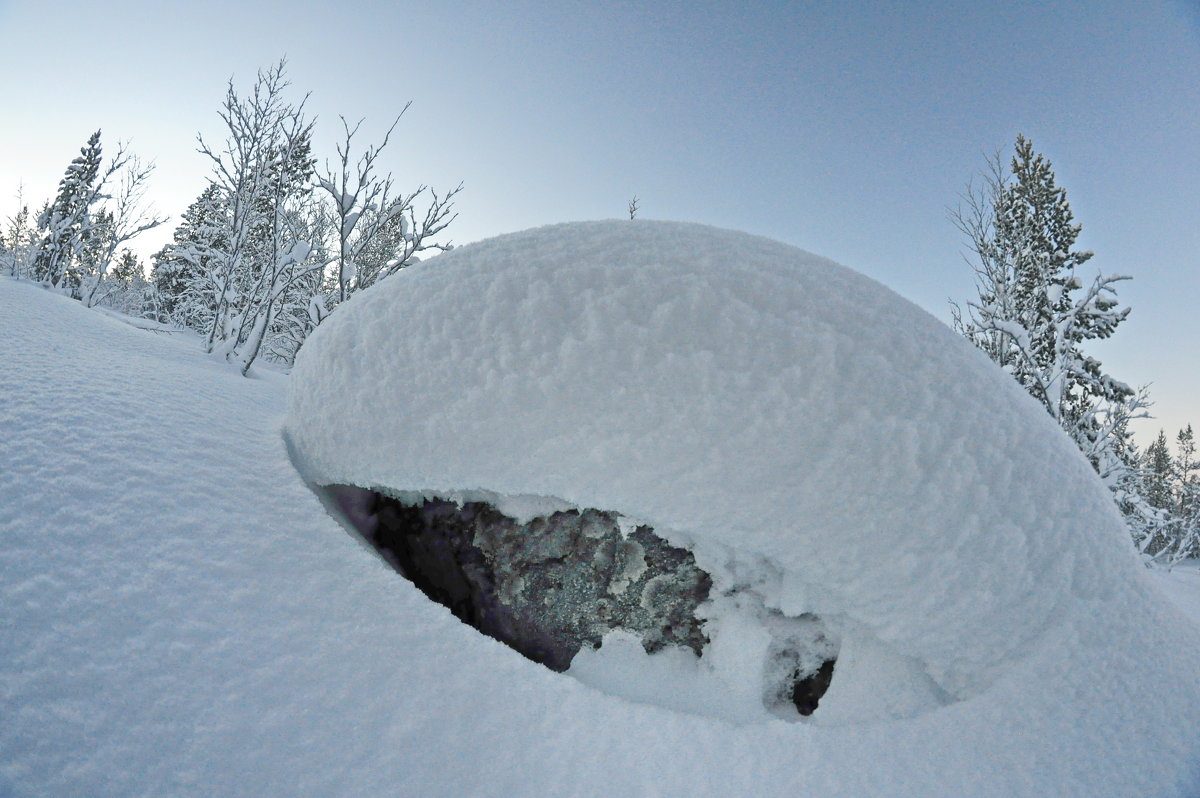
x=262 y=178
x=79 y=235
x=1187 y=502
x=126 y=289
x=66 y=225
x=1171 y=486
x=182 y=293
x=1157 y=489
x=1158 y=473
x=1034 y=314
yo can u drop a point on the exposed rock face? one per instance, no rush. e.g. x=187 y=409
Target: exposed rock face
x=575 y=573
x=561 y=581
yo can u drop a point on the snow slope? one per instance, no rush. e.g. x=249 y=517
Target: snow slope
x=179 y=616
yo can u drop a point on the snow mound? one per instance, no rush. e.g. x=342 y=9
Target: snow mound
x=817 y=441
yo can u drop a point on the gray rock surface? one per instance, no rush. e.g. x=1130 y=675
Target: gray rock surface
x=562 y=581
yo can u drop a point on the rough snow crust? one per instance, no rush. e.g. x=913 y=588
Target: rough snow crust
x=743 y=396
x=180 y=617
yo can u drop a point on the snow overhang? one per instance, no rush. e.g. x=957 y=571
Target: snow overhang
x=759 y=406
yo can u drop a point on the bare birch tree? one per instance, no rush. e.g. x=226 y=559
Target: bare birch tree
x=262 y=173
x=377 y=231
x=128 y=217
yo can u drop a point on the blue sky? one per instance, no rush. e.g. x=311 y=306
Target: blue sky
x=845 y=128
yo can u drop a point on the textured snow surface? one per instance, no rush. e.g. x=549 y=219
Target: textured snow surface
x=180 y=616
x=733 y=390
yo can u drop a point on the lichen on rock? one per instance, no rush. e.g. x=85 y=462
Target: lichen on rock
x=546 y=587
x=553 y=584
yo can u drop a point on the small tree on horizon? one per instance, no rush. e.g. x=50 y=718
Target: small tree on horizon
x=19 y=242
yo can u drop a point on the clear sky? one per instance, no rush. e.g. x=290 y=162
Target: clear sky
x=845 y=128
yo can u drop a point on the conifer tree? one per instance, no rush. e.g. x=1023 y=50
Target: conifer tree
x=66 y=226
x=1171 y=486
x=18 y=244
x=180 y=272
x=1188 y=501
x=1034 y=315
x=1159 y=474
x=127 y=270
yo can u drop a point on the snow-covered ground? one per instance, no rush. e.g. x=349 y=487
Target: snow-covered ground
x=180 y=616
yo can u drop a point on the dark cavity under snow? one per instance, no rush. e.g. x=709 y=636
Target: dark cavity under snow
x=550 y=586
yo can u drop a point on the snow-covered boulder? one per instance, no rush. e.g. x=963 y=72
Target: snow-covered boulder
x=826 y=449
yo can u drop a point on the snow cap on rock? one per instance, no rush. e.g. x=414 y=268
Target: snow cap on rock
x=733 y=390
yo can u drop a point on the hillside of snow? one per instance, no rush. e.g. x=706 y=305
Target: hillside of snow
x=180 y=615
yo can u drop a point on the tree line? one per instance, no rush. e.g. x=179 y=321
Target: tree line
x=269 y=248
x=273 y=244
